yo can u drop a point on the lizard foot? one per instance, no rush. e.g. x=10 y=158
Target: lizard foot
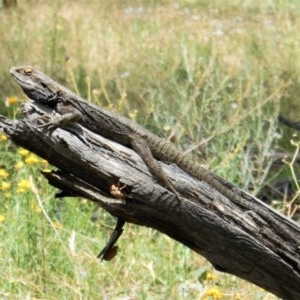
x=49 y=121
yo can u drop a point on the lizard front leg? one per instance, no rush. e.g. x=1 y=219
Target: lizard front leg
x=65 y=116
x=140 y=145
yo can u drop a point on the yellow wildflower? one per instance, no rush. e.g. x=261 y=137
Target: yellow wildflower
x=19 y=165
x=3 y=137
x=3 y=173
x=2 y=218
x=211 y=276
x=133 y=114
x=23 y=152
x=214 y=293
x=84 y=201
x=34 y=207
x=32 y=159
x=57 y=225
x=11 y=101
x=5 y=186
x=44 y=162
x=23 y=186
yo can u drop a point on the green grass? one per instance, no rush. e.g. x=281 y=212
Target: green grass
x=211 y=76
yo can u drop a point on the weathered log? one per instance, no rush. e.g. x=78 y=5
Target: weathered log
x=234 y=240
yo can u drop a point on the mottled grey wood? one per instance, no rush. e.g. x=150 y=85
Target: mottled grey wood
x=234 y=240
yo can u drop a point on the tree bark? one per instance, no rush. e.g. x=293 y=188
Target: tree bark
x=235 y=240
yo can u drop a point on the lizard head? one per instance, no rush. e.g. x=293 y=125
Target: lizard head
x=35 y=84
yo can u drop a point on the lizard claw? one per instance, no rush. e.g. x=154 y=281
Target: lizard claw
x=49 y=121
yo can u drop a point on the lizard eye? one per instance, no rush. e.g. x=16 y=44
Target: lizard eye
x=27 y=71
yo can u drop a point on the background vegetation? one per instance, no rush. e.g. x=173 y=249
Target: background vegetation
x=210 y=75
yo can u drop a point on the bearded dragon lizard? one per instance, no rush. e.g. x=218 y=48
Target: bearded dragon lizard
x=71 y=108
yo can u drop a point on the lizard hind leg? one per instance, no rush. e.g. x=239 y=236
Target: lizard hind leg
x=141 y=147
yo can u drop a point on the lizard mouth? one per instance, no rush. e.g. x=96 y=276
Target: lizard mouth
x=23 y=80
x=33 y=87
x=17 y=73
